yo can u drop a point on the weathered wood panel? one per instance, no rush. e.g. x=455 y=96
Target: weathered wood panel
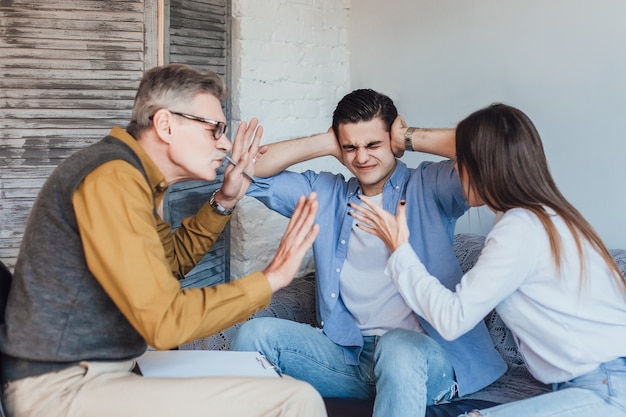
x=68 y=73
x=197 y=35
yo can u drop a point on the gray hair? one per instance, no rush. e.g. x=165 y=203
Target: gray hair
x=171 y=85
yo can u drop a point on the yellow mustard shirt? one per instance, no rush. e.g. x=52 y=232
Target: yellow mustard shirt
x=138 y=261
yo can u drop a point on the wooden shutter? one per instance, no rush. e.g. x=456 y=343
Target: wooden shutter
x=69 y=70
x=198 y=36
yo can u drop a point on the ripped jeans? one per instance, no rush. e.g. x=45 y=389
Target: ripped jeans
x=404 y=370
x=600 y=393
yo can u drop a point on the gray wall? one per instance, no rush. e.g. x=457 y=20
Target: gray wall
x=562 y=62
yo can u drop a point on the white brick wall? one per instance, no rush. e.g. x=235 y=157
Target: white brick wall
x=290 y=68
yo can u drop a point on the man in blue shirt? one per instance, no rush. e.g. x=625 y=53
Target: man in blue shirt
x=370 y=342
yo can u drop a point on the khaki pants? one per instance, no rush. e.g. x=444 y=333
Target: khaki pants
x=109 y=389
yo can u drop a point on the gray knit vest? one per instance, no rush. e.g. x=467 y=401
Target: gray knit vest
x=57 y=313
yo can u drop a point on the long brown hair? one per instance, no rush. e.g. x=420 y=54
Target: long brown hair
x=500 y=150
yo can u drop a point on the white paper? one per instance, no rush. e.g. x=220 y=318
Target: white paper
x=201 y=363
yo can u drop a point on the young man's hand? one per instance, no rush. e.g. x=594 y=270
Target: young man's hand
x=398 y=129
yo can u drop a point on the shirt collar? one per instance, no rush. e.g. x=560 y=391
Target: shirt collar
x=155 y=176
x=400 y=175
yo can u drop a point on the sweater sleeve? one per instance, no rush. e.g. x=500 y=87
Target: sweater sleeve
x=125 y=253
x=503 y=265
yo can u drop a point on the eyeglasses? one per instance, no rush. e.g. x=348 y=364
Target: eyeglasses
x=220 y=127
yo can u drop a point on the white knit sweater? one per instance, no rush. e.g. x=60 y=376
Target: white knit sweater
x=563 y=329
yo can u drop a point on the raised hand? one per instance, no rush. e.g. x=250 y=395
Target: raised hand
x=245 y=149
x=398 y=128
x=297 y=239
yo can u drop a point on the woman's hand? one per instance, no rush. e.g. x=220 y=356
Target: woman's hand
x=392 y=230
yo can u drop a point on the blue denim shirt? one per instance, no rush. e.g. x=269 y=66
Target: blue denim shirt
x=435 y=201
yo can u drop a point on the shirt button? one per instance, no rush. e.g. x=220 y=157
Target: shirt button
x=337 y=270
x=343 y=242
x=161 y=186
x=333 y=295
x=322 y=323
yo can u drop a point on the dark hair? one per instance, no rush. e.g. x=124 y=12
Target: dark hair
x=500 y=150
x=362 y=106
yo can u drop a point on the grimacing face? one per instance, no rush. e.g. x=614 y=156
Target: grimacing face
x=366 y=152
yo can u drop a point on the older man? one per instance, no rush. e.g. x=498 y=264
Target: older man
x=96 y=277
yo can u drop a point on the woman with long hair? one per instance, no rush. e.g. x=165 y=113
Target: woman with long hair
x=543 y=268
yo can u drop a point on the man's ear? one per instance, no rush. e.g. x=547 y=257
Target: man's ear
x=162 y=124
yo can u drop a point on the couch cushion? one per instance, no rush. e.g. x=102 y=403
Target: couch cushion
x=620 y=258
x=295 y=302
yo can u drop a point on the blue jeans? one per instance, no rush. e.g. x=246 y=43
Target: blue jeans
x=600 y=393
x=404 y=370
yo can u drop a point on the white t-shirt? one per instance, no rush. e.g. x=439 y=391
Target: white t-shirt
x=563 y=328
x=371 y=296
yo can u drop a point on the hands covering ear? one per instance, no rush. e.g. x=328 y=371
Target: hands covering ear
x=392 y=230
x=398 y=128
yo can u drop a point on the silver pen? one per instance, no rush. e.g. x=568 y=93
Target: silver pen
x=246 y=173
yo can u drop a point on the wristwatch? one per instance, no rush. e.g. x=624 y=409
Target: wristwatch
x=217 y=207
x=408 y=136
